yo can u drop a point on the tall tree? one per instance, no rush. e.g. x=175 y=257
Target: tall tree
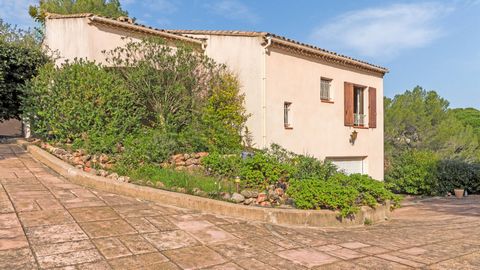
x=420 y=119
x=20 y=57
x=107 y=8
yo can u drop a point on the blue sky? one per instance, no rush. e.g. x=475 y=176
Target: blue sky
x=434 y=44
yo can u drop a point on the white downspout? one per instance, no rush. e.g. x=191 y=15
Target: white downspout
x=264 y=90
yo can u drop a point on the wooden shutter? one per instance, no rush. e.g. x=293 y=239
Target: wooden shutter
x=348 y=98
x=372 y=107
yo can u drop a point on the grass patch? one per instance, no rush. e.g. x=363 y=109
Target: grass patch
x=171 y=178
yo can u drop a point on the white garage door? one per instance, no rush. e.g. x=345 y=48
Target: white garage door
x=350 y=165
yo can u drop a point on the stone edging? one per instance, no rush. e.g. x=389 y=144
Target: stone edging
x=290 y=217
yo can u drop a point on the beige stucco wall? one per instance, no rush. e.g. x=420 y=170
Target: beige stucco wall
x=243 y=56
x=318 y=127
x=79 y=38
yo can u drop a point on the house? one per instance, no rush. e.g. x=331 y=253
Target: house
x=307 y=99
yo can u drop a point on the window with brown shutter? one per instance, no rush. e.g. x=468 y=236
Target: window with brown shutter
x=348 y=107
x=372 y=107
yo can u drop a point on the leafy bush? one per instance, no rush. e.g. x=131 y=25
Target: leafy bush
x=171 y=178
x=185 y=93
x=148 y=146
x=413 y=172
x=262 y=169
x=83 y=103
x=20 y=58
x=339 y=192
x=226 y=166
x=453 y=174
x=306 y=167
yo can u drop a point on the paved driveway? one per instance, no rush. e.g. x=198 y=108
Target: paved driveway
x=47 y=222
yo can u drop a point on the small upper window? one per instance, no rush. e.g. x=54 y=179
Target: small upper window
x=358 y=106
x=287 y=117
x=325 y=89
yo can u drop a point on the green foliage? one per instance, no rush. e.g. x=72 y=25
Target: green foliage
x=184 y=92
x=413 y=172
x=224 y=116
x=82 y=103
x=20 y=57
x=469 y=117
x=171 y=178
x=453 y=174
x=339 y=192
x=107 y=8
x=226 y=166
x=421 y=120
x=262 y=169
x=148 y=146
x=306 y=167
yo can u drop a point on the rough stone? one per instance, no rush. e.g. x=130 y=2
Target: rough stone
x=249 y=193
x=237 y=198
x=113 y=176
x=249 y=201
x=261 y=197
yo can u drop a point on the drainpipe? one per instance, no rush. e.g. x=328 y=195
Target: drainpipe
x=264 y=90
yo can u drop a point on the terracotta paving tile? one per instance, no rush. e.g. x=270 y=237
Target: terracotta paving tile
x=107 y=228
x=345 y=253
x=379 y=263
x=45 y=217
x=373 y=250
x=65 y=247
x=101 y=265
x=170 y=240
x=49 y=204
x=17 y=259
x=308 y=257
x=82 y=202
x=93 y=214
x=212 y=234
x=136 y=244
x=9 y=221
x=26 y=205
x=226 y=266
x=55 y=234
x=238 y=249
x=71 y=258
x=278 y=262
x=414 y=251
x=282 y=242
x=136 y=210
x=12 y=238
x=194 y=257
x=161 y=223
x=353 y=245
x=111 y=247
x=144 y=261
x=343 y=265
x=328 y=248
x=400 y=260
x=141 y=224
x=252 y=263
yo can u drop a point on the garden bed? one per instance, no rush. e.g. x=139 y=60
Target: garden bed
x=294 y=217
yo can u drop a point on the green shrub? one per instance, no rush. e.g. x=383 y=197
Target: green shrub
x=413 y=172
x=171 y=178
x=339 y=192
x=261 y=169
x=306 y=167
x=226 y=166
x=20 y=57
x=453 y=174
x=83 y=103
x=148 y=146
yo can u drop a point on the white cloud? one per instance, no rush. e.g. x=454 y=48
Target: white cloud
x=233 y=9
x=16 y=12
x=384 y=31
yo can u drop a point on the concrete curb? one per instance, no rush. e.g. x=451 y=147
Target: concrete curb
x=290 y=217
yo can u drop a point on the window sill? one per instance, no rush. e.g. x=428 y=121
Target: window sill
x=361 y=127
x=288 y=127
x=327 y=101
